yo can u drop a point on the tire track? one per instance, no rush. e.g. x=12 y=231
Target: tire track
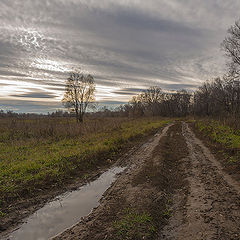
x=212 y=210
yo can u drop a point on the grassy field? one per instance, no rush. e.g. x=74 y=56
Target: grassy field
x=36 y=152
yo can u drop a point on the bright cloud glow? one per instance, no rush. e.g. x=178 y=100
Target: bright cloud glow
x=49 y=65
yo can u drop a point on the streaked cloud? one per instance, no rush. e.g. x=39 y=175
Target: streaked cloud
x=124 y=44
x=35 y=95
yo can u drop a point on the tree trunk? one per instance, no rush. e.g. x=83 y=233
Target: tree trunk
x=77 y=115
x=80 y=118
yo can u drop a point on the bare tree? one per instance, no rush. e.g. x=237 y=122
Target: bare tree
x=151 y=99
x=181 y=100
x=136 y=107
x=155 y=102
x=79 y=93
x=231 y=45
x=152 y=95
x=202 y=97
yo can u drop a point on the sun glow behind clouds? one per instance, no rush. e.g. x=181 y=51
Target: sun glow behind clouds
x=29 y=38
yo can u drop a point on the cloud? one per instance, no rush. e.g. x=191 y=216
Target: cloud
x=123 y=93
x=6 y=72
x=169 y=43
x=35 y=95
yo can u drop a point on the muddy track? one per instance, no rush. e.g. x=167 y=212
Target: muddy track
x=99 y=224
x=212 y=210
x=175 y=184
x=204 y=201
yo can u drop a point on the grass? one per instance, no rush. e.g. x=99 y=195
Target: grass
x=29 y=160
x=134 y=225
x=226 y=140
x=220 y=133
x=2 y=214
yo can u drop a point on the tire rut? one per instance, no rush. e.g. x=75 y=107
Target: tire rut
x=212 y=210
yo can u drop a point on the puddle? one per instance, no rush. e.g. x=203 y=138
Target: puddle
x=66 y=210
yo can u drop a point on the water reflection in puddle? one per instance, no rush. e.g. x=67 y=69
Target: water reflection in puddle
x=66 y=211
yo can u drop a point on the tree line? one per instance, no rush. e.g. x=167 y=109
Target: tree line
x=155 y=102
x=217 y=97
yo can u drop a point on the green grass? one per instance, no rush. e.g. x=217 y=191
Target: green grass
x=134 y=225
x=29 y=164
x=220 y=133
x=226 y=137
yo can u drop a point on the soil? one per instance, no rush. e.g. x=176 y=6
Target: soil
x=221 y=153
x=175 y=179
x=212 y=210
x=173 y=188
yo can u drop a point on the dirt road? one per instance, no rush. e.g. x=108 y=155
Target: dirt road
x=122 y=195
x=212 y=210
x=174 y=188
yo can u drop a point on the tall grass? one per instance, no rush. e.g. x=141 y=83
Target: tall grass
x=40 y=152
x=53 y=128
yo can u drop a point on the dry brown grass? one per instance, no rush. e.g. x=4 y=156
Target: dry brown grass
x=54 y=128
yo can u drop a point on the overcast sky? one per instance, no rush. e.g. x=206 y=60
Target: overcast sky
x=127 y=45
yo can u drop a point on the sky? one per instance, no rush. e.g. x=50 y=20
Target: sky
x=127 y=45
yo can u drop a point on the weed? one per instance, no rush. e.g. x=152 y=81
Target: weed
x=134 y=225
x=233 y=159
x=168 y=212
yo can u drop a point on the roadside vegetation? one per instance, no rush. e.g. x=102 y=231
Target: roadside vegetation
x=224 y=141
x=220 y=133
x=134 y=225
x=39 y=153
